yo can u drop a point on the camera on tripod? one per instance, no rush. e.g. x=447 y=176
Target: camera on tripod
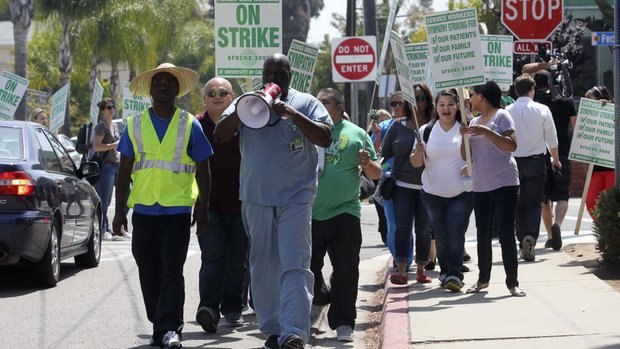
x=560 y=84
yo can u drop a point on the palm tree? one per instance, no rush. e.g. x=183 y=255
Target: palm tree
x=22 y=13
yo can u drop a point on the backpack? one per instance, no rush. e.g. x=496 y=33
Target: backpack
x=81 y=145
x=427 y=130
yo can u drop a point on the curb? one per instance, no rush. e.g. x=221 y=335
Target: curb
x=394 y=328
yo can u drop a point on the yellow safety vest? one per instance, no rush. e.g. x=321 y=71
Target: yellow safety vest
x=162 y=172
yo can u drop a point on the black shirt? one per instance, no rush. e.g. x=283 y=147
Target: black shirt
x=562 y=111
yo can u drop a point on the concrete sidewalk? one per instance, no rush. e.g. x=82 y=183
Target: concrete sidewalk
x=566 y=307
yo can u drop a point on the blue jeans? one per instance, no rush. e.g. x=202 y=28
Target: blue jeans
x=408 y=208
x=280 y=253
x=532 y=177
x=450 y=218
x=500 y=203
x=107 y=179
x=388 y=209
x=224 y=258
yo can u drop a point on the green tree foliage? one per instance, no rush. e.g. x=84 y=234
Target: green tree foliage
x=607 y=225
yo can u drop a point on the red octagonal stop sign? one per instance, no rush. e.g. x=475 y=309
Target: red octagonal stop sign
x=532 y=19
x=354 y=59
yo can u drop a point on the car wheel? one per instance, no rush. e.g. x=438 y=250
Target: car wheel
x=48 y=268
x=91 y=258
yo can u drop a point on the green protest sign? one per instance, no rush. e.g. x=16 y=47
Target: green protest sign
x=593 y=138
x=417 y=54
x=96 y=98
x=454 y=45
x=497 y=54
x=302 y=57
x=60 y=100
x=133 y=105
x=12 y=89
x=246 y=33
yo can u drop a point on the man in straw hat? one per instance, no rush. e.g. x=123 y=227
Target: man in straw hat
x=278 y=184
x=165 y=154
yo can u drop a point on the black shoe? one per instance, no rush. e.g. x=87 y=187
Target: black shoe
x=293 y=342
x=272 y=342
x=464 y=269
x=208 y=319
x=556 y=234
x=430 y=266
x=466 y=257
x=549 y=243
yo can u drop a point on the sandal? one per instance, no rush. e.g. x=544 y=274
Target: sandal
x=517 y=292
x=398 y=279
x=423 y=279
x=477 y=287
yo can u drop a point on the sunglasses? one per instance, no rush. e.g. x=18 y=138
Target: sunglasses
x=420 y=98
x=222 y=93
x=395 y=104
x=110 y=107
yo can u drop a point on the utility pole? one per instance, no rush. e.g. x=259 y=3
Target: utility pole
x=617 y=89
x=370 y=28
x=350 y=31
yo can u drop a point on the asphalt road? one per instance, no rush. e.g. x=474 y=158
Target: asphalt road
x=103 y=307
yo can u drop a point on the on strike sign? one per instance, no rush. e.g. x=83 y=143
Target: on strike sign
x=354 y=59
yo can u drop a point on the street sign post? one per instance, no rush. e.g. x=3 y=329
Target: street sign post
x=354 y=59
x=532 y=19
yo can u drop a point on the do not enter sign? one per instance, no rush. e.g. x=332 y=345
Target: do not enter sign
x=354 y=59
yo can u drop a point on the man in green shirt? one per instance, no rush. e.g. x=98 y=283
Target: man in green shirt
x=336 y=216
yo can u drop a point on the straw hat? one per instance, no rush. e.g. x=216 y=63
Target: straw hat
x=141 y=84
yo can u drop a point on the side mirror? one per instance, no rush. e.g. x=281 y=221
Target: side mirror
x=89 y=169
x=69 y=149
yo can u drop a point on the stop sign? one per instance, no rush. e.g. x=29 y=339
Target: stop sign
x=532 y=19
x=354 y=59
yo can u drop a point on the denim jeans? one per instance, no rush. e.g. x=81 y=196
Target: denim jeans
x=280 y=253
x=107 y=179
x=388 y=209
x=159 y=246
x=532 y=177
x=408 y=208
x=449 y=218
x=224 y=258
x=341 y=238
x=500 y=203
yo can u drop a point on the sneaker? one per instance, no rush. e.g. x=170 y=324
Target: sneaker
x=272 y=342
x=171 y=340
x=453 y=284
x=344 y=333
x=549 y=243
x=315 y=313
x=556 y=234
x=208 y=319
x=233 y=320
x=293 y=342
x=527 y=248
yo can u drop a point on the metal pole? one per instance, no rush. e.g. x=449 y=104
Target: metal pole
x=617 y=89
x=370 y=28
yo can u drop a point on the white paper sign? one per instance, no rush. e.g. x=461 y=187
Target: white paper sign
x=97 y=97
x=133 y=105
x=246 y=33
x=593 y=139
x=12 y=89
x=59 y=108
x=405 y=77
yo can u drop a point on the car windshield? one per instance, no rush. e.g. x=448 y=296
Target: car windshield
x=10 y=143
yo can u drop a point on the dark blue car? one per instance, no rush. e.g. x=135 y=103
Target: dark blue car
x=48 y=211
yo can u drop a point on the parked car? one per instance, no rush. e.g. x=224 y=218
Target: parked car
x=48 y=211
x=121 y=124
x=70 y=148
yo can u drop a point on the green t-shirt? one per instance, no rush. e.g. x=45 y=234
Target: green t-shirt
x=339 y=186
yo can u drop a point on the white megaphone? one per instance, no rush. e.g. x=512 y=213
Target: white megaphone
x=254 y=109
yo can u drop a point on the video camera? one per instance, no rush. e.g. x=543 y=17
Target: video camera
x=560 y=84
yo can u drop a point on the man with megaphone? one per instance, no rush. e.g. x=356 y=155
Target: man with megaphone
x=277 y=186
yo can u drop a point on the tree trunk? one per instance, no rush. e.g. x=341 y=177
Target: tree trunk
x=21 y=16
x=114 y=81
x=65 y=65
x=94 y=71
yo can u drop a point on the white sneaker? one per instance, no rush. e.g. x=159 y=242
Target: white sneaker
x=109 y=237
x=344 y=333
x=171 y=340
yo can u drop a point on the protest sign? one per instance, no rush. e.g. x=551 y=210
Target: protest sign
x=593 y=138
x=454 y=45
x=417 y=54
x=12 y=89
x=405 y=77
x=60 y=99
x=497 y=54
x=96 y=98
x=133 y=105
x=302 y=57
x=246 y=33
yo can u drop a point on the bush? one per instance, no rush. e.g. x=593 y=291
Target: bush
x=607 y=225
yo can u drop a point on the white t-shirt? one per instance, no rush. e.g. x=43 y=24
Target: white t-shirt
x=443 y=162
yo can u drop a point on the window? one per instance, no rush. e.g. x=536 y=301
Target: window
x=66 y=163
x=10 y=143
x=46 y=152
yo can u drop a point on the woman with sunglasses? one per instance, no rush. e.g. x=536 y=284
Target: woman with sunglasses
x=496 y=183
x=105 y=142
x=603 y=178
x=407 y=202
x=448 y=202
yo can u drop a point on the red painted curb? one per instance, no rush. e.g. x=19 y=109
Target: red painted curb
x=394 y=328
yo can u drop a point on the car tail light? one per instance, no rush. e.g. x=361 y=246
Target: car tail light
x=16 y=183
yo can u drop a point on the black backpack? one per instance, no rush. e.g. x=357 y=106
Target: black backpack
x=81 y=145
